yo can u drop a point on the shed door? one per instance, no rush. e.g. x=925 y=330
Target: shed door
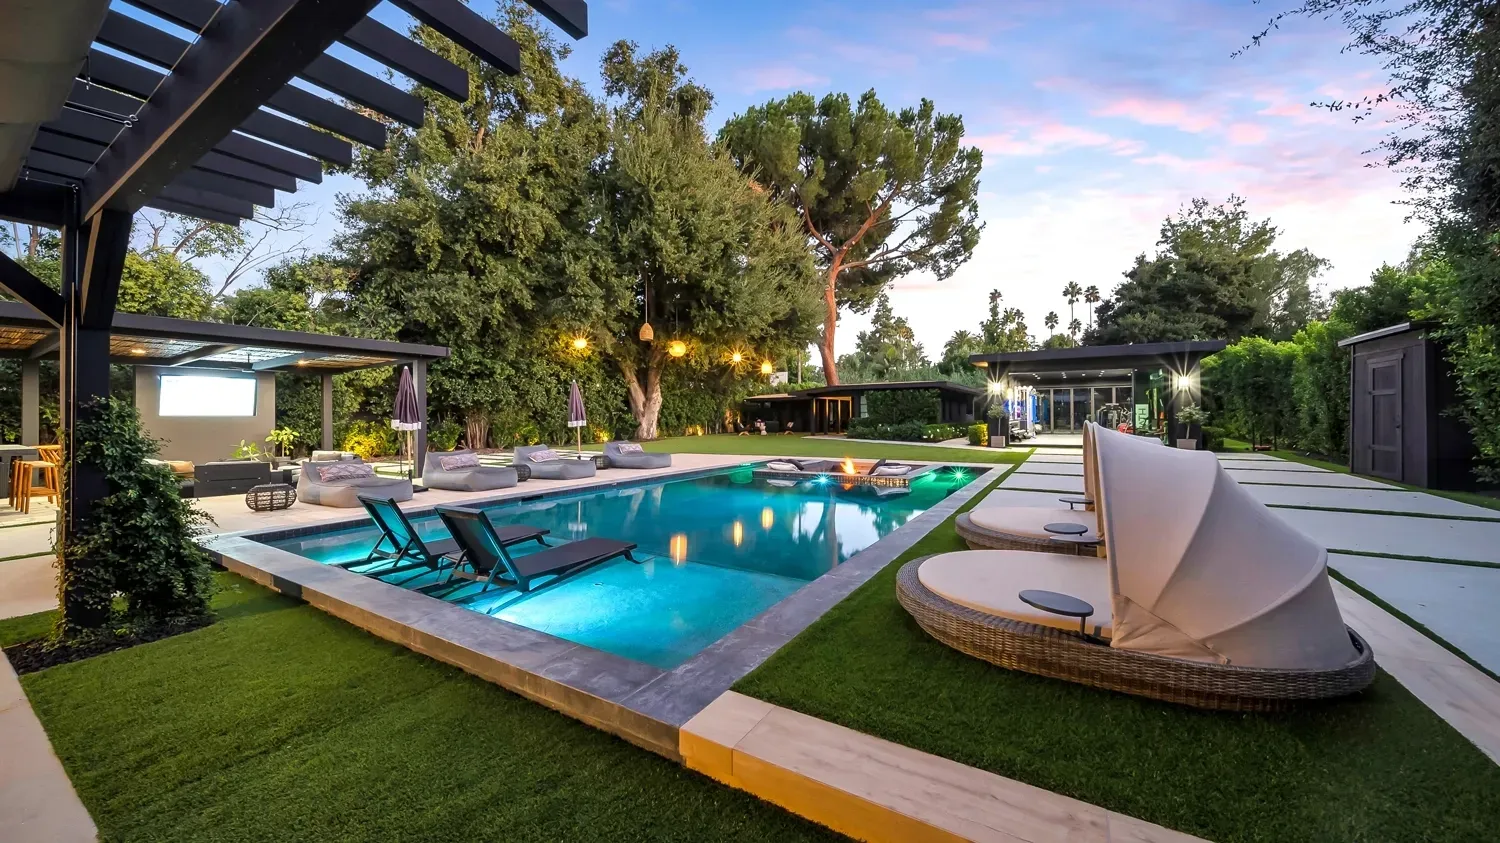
x=1385 y=416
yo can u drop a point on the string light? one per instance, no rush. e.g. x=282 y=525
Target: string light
x=580 y=343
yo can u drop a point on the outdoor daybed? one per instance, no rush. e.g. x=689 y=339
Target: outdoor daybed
x=547 y=464
x=460 y=471
x=1002 y=527
x=1209 y=599
x=630 y=455
x=341 y=483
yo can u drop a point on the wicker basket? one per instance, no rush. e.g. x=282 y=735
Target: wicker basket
x=1059 y=654
x=978 y=538
x=523 y=472
x=270 y=497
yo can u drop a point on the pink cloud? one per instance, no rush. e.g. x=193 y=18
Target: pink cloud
x=1247 y=134
x=1160 y=112
x=778 y=77
x=959 y=41
x=1046 y=139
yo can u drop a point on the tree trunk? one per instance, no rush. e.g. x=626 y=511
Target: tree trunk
x=477 y=428
x=645 y=401
x=830 y=323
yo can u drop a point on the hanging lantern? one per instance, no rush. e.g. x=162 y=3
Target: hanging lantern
x=580 y=343
x=766 y=368
x=677 y=348
x=647 y=335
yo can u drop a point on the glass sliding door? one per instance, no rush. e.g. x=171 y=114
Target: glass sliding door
x=1062 y=411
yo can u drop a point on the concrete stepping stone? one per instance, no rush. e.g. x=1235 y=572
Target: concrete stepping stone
x=1010 y=497
x=1454 y=601
x=1306 y=478
x=1060 y=483
x=1073 y=468
x=1058 y=458
x=1271 y=465
x=1378 y=500
x=1475 y=541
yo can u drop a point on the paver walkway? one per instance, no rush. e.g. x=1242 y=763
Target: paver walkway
x=37 y=800
x=1063 y=483
x=1457 y=602
x=1445 y=538
x=1306 y=478
x=1376 y=500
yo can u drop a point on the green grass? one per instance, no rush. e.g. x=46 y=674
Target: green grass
x=802 y=446
x=281 y=723
x=1377 y=767
x=25 y=628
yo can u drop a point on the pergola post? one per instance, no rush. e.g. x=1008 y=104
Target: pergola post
x=328 y=411
x=31 y=402
x=419 y=380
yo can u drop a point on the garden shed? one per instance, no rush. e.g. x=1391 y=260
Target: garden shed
x=1401 y=388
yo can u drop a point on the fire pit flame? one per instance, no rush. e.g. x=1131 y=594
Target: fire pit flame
x=847 y=466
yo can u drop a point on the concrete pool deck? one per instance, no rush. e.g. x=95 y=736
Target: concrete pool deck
x=641 y=703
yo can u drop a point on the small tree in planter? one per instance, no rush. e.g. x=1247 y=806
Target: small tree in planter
x=283 y=439
x=1190 y=417
x=138 y=540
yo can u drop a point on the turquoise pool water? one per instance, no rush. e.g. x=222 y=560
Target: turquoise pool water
x=715 y=550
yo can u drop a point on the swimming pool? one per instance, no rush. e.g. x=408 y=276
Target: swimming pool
x=714 y=551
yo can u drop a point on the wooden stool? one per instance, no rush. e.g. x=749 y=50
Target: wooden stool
x=50 y=453
x=27 y=470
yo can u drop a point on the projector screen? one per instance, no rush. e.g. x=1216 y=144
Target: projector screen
x=206 y=395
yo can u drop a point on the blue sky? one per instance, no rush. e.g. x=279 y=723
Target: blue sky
x=1097 y=119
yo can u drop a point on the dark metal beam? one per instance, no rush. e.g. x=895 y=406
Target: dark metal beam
x=209 y=214
x=56 y=164
x=256 y=152
x=468 y=29
x=218 y=162
x=107 y=239
x=45 y=347
x=35 y=203
x=264 y=124
x=245 y=54
x=404 y=55
x=225 y=186
x=20 y=283
x=289 y=360
x=571 y=16
x=207 y=200
x=198 y=354
x=326 y=114
x=67 y=146
x=215 y=171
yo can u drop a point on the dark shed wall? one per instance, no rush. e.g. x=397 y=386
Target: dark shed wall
x=1411 y=350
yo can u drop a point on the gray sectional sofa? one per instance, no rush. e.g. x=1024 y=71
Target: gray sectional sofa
x=634 y=459
x=345 y=492
x=480 y=478
x=563 y=469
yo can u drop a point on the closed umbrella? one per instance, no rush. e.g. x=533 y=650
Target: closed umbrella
x=406 y=416
x=576 y=417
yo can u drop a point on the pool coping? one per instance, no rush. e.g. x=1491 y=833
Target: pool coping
x=638 y=702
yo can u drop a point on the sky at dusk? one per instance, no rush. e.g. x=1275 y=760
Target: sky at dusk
x=1096 y=119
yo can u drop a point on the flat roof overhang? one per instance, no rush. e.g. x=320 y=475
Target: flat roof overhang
x=1179 y=356
x=139 y=340
x=943 y=386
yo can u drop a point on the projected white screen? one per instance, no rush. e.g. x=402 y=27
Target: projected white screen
x=204 y=395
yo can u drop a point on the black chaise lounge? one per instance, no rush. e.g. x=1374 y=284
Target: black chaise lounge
x=402 y=545
x=485 y=552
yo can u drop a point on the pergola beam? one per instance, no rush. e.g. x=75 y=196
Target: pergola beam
x=107 y=241
x=246 y=53
x=468 y=29
x=36 y=203
x=283 y=362
x=199 y=353
x=20 y=283
x=571 y=16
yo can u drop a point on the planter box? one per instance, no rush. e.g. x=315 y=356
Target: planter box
x=1188 y=444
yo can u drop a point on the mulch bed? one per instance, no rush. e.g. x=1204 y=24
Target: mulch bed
x=32 y=656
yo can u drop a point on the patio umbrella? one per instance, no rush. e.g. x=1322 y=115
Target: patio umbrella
x=1201 y=570
x=406 y=416
x=576 y=416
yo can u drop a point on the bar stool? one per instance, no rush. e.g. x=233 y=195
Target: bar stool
x=26 y=489
x=50 y=453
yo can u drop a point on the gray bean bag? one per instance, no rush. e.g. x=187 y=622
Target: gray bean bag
x=479 y=478
x=633 y=458
x=345 y=491
x=563 y=469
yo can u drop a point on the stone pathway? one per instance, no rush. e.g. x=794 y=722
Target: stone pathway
x=1272 y=464
x=1456 y=602
x=1306 y=478
x=37 y=800
x=1069 y=468
x=1444 y=538
x=27 y=586
x=1375 y=500
x=1062 y=483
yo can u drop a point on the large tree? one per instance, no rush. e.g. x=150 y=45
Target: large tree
x=880 y=193
x=1216 y=275
x=675 y=223
x=889 y=350
x=1005 y=329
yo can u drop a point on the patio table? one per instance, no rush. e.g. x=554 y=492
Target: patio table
x=9 y=454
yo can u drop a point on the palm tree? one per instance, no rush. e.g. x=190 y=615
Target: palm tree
x=1072 y=292
x=1074 y=327
x=1050 y=322
x=1091 y=295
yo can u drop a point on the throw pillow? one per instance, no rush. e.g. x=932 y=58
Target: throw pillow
x=629 y=448
x=892 y=470
x=344 y=471
x=776 y=465
x=544 y=455
x=459 y=461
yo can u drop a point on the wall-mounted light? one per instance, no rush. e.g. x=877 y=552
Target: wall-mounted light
x=580 y=343
x=677 y=348
x=996 y=387
x=766 y=368
x=1182 y=382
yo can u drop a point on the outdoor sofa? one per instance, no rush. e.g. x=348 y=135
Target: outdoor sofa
x=630 y=455
x=460 y=471
x=340 y=484
x=547 y=464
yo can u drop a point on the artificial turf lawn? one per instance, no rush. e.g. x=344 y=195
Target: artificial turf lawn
x=1377 y=767
x=281 y=723
x=775 y=445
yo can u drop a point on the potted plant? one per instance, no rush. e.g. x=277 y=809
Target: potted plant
x=282 y=439
x=1191 y=418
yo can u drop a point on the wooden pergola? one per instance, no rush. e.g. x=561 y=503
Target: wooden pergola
x=210 y=127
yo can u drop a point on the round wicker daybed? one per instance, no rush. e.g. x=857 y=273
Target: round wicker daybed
x=1020 y=528
x=1060 y=654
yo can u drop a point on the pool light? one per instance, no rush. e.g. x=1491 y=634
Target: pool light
x=677 y=547
x=737 y=533
x=767 y=518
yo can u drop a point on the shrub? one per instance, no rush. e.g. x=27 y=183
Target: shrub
x=979 y=434
x=371 y=440
x=1213 y=438
x=138 y=540
x=940 y=432
x=904 y=432
x=898 y=406
x=444 y=435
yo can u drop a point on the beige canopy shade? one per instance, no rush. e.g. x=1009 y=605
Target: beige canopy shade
x=1200 y=570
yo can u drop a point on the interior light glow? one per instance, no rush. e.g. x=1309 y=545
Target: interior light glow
x=996 y=387
x=206 y=396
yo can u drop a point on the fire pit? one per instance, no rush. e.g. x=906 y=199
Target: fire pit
x=845 y=472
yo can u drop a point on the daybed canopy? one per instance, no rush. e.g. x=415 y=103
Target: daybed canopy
x=1200 y=570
